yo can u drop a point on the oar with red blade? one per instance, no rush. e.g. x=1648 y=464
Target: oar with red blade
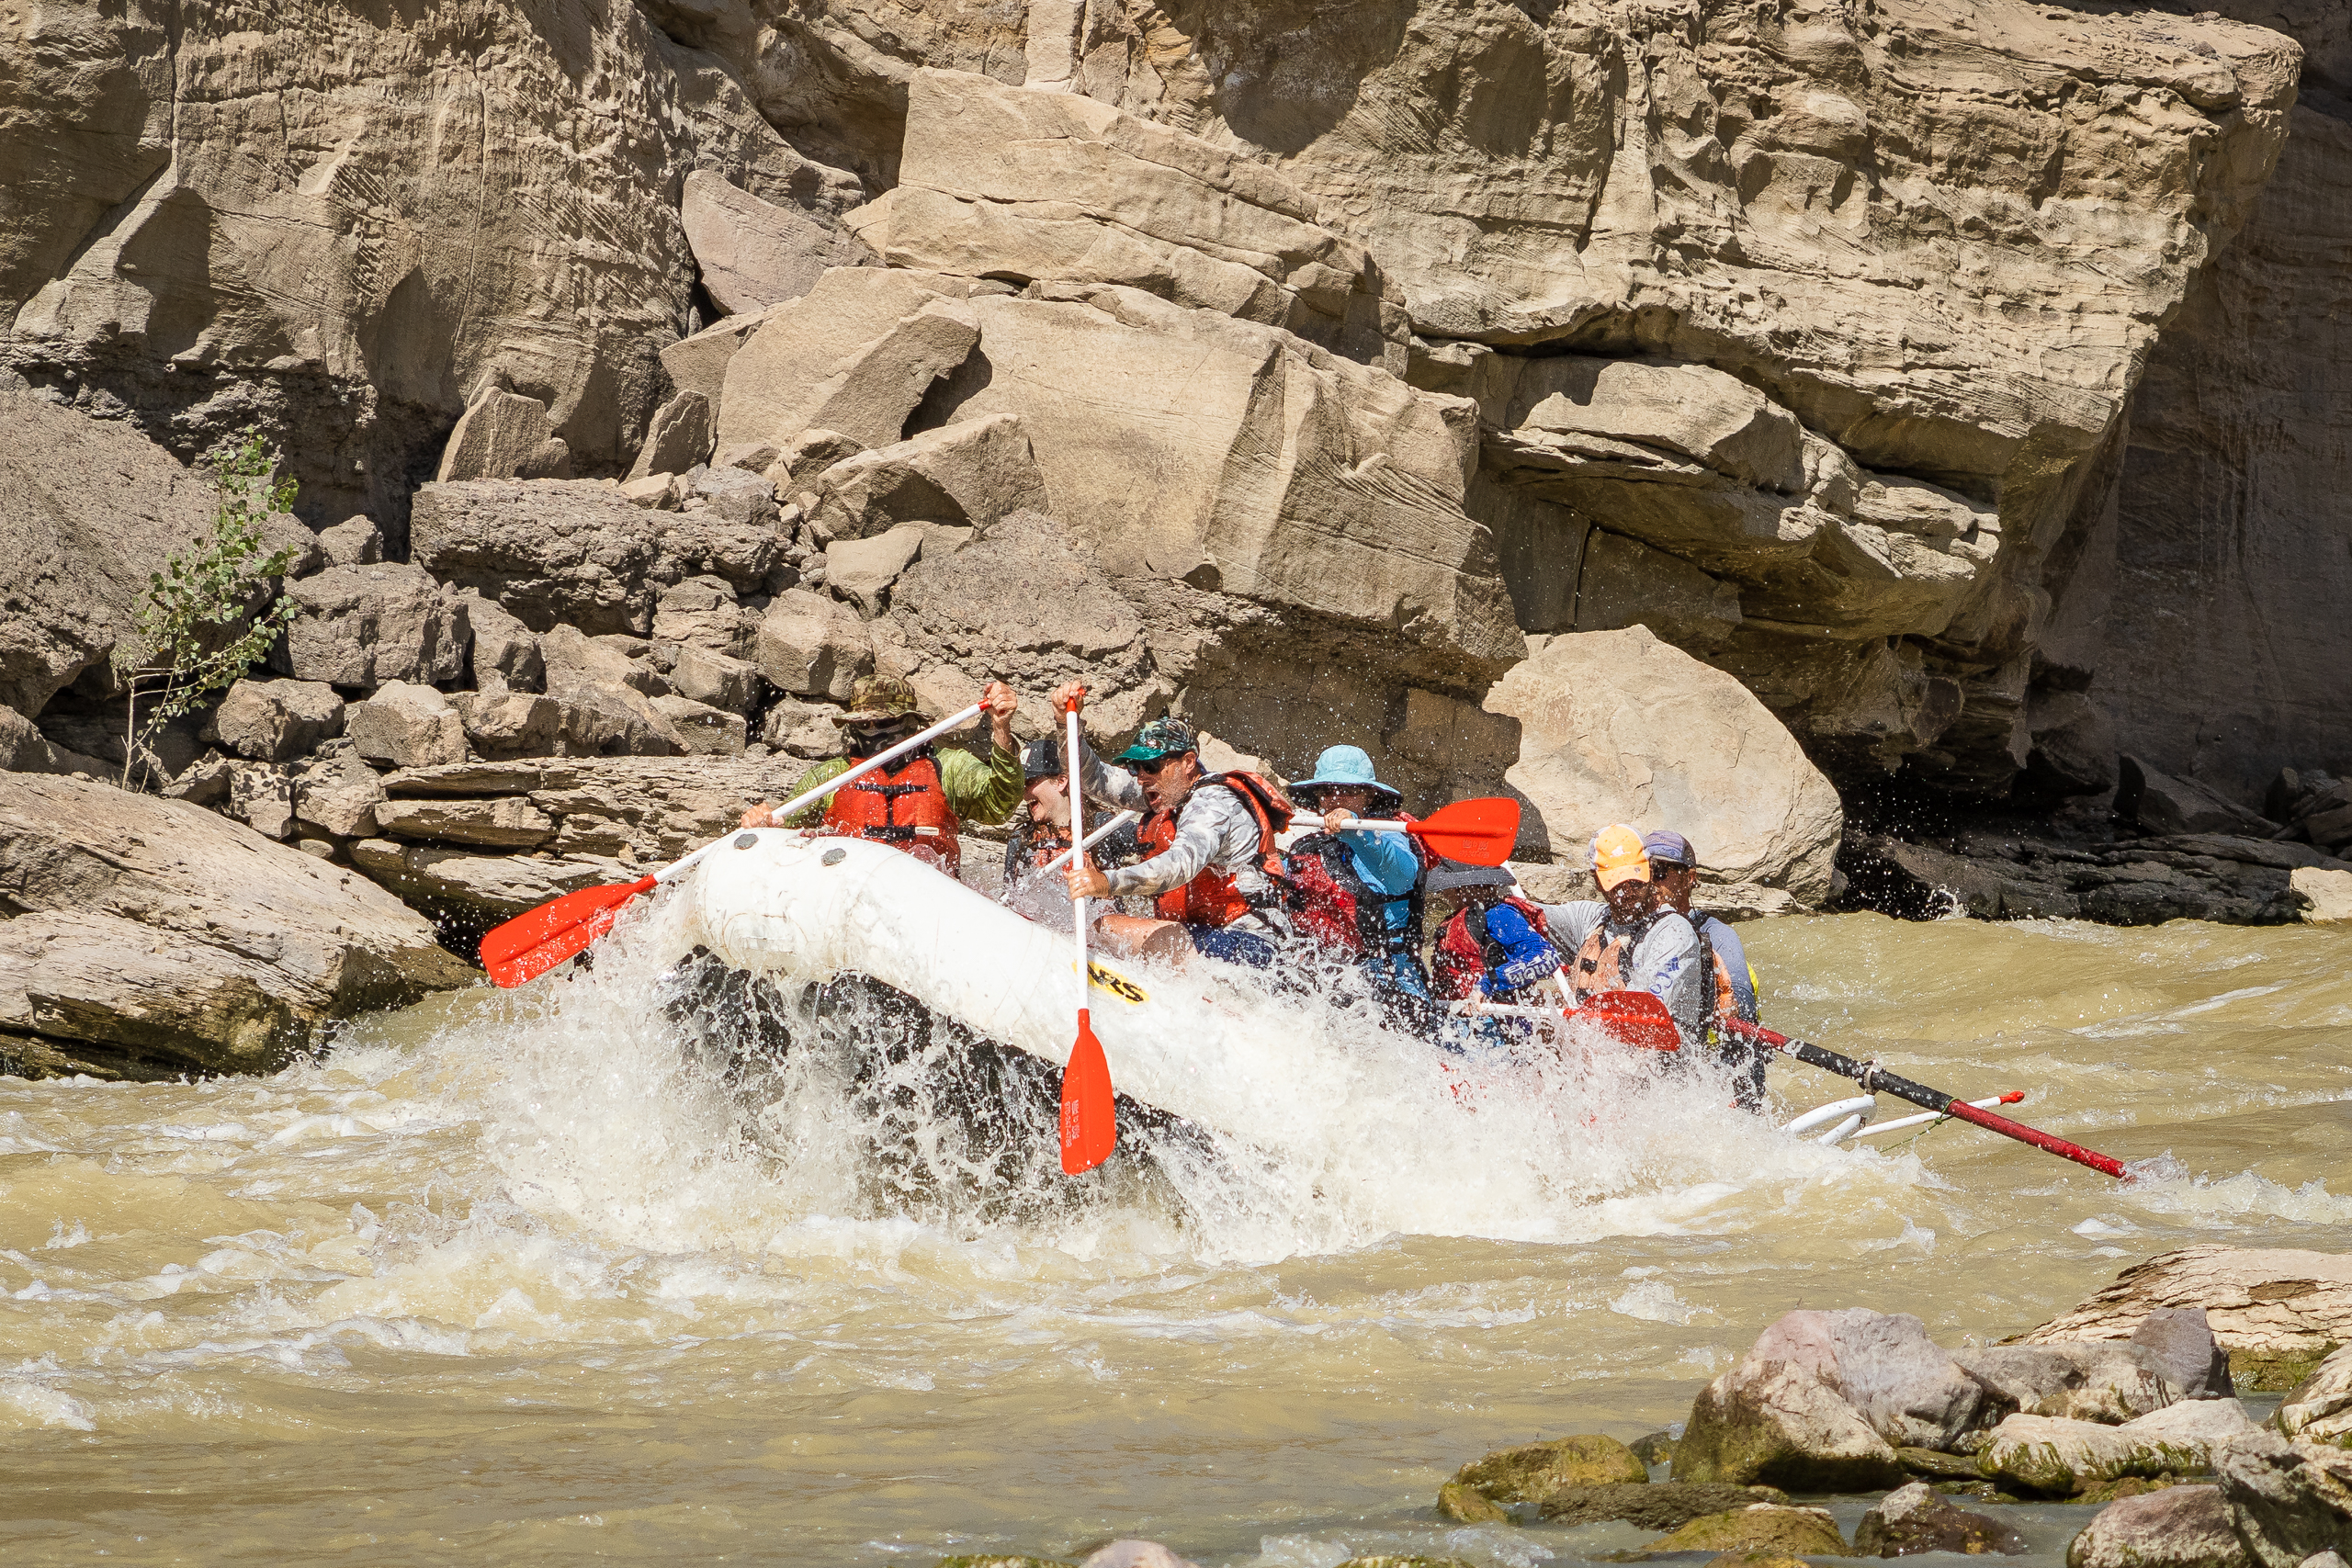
x=537 y=939
x=1870 y=1076
x=1089 y=1126
x=1475 y=832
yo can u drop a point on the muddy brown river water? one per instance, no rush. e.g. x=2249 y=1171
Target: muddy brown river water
x=505 y=1279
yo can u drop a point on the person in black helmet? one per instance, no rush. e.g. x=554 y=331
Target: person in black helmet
x=1041 y=832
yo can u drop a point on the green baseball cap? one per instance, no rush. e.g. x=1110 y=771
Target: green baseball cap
x=1160 y=737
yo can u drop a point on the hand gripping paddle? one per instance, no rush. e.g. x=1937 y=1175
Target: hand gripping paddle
x=1089 y=1120
x=533 y=943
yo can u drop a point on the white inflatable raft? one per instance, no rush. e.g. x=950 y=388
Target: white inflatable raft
x=776 y=904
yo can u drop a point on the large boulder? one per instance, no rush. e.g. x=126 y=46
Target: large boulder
x=968 y=474
x=408 y=726
x=276 y=721
x=678 y=438
x=2159 y=803
x=812 y=645
x=89 y=509
x=154 y=937
x=1823 y=1399
x=753 y=254
x=2275 y=1311
x=505 y=435
x=1043 y=185
x=2179 y=1527
x=2288 y=1502
x=1618 y=727
x=1235 y=457
x=358 y=626
x=861 y=346
x=579 y=553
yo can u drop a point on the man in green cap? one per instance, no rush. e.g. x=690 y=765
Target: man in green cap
x=1214 y=864
x=920 y=802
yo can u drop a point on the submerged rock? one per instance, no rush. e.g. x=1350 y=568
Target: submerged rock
x=1467 y=1505
x=1533 y=1472
x=2180 y=1526
x=1760 y=1527
x=1659 y=1506
x=1911 y=1519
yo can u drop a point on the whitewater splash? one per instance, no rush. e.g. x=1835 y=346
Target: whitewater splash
x=633 y=1092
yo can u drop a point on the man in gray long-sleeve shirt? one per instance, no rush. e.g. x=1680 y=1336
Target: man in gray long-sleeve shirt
x=1212 y=839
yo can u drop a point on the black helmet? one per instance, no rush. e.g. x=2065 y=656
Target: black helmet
x=1043 y=758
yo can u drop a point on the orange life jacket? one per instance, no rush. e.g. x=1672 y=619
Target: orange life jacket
x=907 y=809
x=1605 y=961
x=1212 y=898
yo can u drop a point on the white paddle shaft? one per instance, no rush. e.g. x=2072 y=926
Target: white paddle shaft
x=679 y=867
x=1077 y=838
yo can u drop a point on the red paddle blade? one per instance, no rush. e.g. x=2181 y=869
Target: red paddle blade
x=1090 y=1121
x=1631 y=1017
x=1475 y=832
x=537 y=940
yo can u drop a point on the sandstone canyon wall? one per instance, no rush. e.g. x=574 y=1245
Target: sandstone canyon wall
x=1807 y=335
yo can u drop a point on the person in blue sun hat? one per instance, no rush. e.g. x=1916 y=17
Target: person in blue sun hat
x=1357 y=891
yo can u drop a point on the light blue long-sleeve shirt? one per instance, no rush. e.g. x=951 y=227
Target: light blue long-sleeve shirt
x=1387 y=861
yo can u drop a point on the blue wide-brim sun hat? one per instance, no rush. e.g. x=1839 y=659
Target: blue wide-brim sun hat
x=1344 y=767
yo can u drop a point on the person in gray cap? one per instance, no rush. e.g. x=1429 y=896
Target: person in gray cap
x=1728 y=980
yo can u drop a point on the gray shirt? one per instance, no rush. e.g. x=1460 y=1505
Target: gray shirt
x=1213 y=829
x=1665 y=960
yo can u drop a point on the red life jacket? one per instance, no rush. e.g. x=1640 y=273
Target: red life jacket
x=1465 y=952
x=1212 y=898
x=1334 y=905
x=909 y=812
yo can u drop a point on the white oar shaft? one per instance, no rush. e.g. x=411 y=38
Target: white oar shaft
x=1096 y=837
x=1077 y=838
x=1924 y=1116
x=679 y=867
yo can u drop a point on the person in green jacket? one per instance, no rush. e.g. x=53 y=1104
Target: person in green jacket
x=919 y=801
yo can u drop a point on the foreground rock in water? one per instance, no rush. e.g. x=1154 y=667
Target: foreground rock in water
x=1758 y=1527
x=1659 y=1506
x=2288 y=1502
x=1533 y=1472
x=1914 y=1519
x=150 y=938
x=1822 y=1398
x=2277 y=1311
x=2059 y=1458
x=2180 y=1526
x=2172 y=1355
x=2319 y=1409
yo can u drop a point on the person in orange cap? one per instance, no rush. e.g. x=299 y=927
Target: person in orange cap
x=1630 y=939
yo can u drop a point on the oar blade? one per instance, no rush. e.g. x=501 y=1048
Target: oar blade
x=1475 y=832
x=1089 y=1120
x=537 y=939
x=1631 y=1017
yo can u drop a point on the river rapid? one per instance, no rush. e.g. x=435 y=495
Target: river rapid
x=514 y=1278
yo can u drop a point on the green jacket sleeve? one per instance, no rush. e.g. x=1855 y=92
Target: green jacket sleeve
x=812 y=814
x=981 y=792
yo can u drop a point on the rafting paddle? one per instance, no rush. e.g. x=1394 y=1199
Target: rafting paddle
x=1089 y=1120
x=1475 y=832
x=537 y=940
x=1096 y=837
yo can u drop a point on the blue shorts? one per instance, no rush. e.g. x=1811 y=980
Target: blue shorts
x=1229 y=946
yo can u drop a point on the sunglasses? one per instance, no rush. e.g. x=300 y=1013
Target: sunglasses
x=1146 y=770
